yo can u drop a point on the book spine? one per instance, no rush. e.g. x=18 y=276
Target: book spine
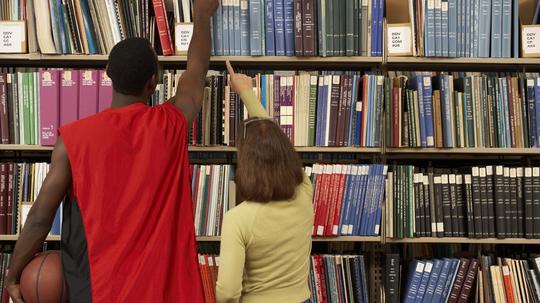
x=299 y=19
x=88 y=93
x=536 y=201
x=528 y=200
x=496 y=28
x=444 y=29
x=430 y=45
x=288 y=11
x=4 y=110
x=270 y=37
x=69 y=95
x=49 y=103
x=105 y=91
x=163 y=27
x=279 y=19
x=438 y=28
x=452 y=28
x=245 y=48
x=309 y=28
x=468 y=284
x=255 y=28
x=236 y=28
x=506 y=36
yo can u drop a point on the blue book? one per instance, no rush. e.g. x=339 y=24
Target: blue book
x=279 y=19
x=358 y=218
x=378 y=107
x=379 y=197
x=452 y=272
x=468 y=27
x=255 y=15
x=370 y=206
x=444 y=28
x=318 y=122
x=358 y=112
x=460 y=35
x=355 y=197
x=237 y=32
x=452 y=28
x=537 y=109
x=225 y=22
x=350 y=183
x=441 y=283
x=430 y=30
x=424 y=281
x=446 y=111
x=417 y=85
x=288 y=11
x=88 y=27
x=364 y=212
x=484 y=29
x=496 y=28
x=56 y=228
x=506 y=29
x=433 y=280
x=515 y=29
x=371 y=109
x=416 y=270
x=428 y=111
x=374 y=25
x=218 y=31
x=380 y=28
x=55 y=24
x=475 y=28
x=61 y=27
x=244 y=28
x=269 y=25
x=363 y=281
x=438 y=28
x=232 y=35
x=533 y=139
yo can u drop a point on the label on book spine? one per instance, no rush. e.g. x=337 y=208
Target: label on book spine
x=182 y=37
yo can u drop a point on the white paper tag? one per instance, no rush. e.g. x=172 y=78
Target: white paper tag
x=182 y=37
x=399 y=40
x=530 y=41
x=13 y=37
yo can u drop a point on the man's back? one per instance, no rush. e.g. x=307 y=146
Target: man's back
x=131 y=201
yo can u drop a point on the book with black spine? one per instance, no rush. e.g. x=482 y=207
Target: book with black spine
x=461 y=208
x=500 y=206
x=477 y=204
x=418 y=211
x=528 y=202
x=392 y=278
x=426 y=205
x=469 y=206
x=432 y=202
x=447 y=205
x=453 y=205
x=489 y=201
x=513 y=230
x=508 y=209
x=520 y=202
x=536 y=201
x=438 y=204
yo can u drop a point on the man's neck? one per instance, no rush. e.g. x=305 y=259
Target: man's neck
x=121 y=100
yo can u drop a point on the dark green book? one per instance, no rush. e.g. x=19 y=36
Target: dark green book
x=312 y=109
x=356 y=27
x=337 y=15
x=330 y=27
x=350 y=16
x=344 y=5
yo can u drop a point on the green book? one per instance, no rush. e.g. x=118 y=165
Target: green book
x=330 y=27
x=337 y=16
x=312 y=109
x=26 y=107
x=397 y=202
x=351 y=5
x=388 y=111
x=410 y=191
x=356 y=27
x=34 y=108
x=344 y=6
x=321 y=14
x=457 y=117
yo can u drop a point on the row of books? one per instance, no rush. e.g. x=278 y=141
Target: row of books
x=35 y=103
x=463 y=110
x=440 y=280
x=213 y=195
x=208 y=267
x=5 y=259
x=12 y=10
x=20 y=184
x=458 y=28
x=338 y=278
x=474 y=202
x=486 y=279
x=298 y=28
x=313 y=108
x=347 y=199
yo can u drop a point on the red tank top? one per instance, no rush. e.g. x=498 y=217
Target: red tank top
x=131 y=181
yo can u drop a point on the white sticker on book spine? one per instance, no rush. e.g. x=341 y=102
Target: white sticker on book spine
x=182 y=37
x=12 y=37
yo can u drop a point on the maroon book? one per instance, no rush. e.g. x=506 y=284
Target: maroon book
x=298 y=27
x=9 y=212
x=3 y=198
x=458 y=282
x=4 y=120
x=469 y=282
x=88 y=93
x=49 y=102
x=308 y=27
x=105 y=91
x=69 y=96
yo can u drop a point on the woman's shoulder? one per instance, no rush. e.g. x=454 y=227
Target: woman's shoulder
x=242 y=210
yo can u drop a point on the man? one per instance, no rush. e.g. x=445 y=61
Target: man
x=128 y=233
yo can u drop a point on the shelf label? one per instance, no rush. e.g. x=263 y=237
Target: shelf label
x=530 y=41
x=182 y=37
x=13 y=37
x=399 y=40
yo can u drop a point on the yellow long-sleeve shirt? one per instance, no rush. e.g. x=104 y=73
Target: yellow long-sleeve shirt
x=265 y=247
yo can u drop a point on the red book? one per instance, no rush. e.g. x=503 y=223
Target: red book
x=105 y=91
x=323 y=203
x=4 y=120
x=345 y=172
x=322 y=277
x=163 y=27
x=69 y=96
x=49 y=104
x=332 y=199
x=317 y=196
x=396 y=114
x=9 y=214
x=3 y=198
x=88 y=93
x=507 y=284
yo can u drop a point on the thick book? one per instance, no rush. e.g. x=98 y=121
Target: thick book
x=428 y=110
x=433 y=281
x=298 y=28
x=3 y=198
x=163 y=27
x=468 y=283
x=49 y=98
x=4 y=109
x=279 y=27
x=416 y=270
x=479 y=231
x=506 y=36
x=392 y=275
x=270 y=40
x=256 y=27
x=309 y=28
x=459 y=280
x=105 y=91
x=245 y=48
x=496 y=28
x=489 y=201
x=528 y=201
x=536 y=201
x=288 y=12
x=424 y=281
x=88 y=93
x=69 y=96
x=500 y=206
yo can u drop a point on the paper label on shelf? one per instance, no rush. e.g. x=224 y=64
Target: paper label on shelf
x=13 y=37
x=399 y=40
x=530 y=41
x=182 y=37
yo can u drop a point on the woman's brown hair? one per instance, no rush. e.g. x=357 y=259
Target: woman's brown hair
x=269 y=169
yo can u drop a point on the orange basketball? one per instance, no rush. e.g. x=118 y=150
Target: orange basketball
x=42 y=280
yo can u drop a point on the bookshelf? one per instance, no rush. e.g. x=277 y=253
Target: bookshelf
x=449 y=240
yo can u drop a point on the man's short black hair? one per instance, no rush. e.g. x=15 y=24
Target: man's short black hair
x=132 y=62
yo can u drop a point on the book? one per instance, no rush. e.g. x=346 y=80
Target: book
x=88 y=93
x=105 y=91
x=49 y=90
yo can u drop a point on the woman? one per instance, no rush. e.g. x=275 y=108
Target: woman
x=266 y=240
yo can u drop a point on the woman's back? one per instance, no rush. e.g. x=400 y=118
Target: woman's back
x=276 y=240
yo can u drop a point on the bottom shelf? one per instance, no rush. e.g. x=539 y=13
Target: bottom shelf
x=315 y=239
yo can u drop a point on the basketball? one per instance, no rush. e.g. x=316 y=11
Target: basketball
x=42 y=280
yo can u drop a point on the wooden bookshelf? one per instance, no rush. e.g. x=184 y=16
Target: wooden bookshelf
x=217 y=239
x=461 y=61
x=449 y=240
x=16 y=237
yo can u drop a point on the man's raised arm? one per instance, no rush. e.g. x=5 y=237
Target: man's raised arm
x=190 y=90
